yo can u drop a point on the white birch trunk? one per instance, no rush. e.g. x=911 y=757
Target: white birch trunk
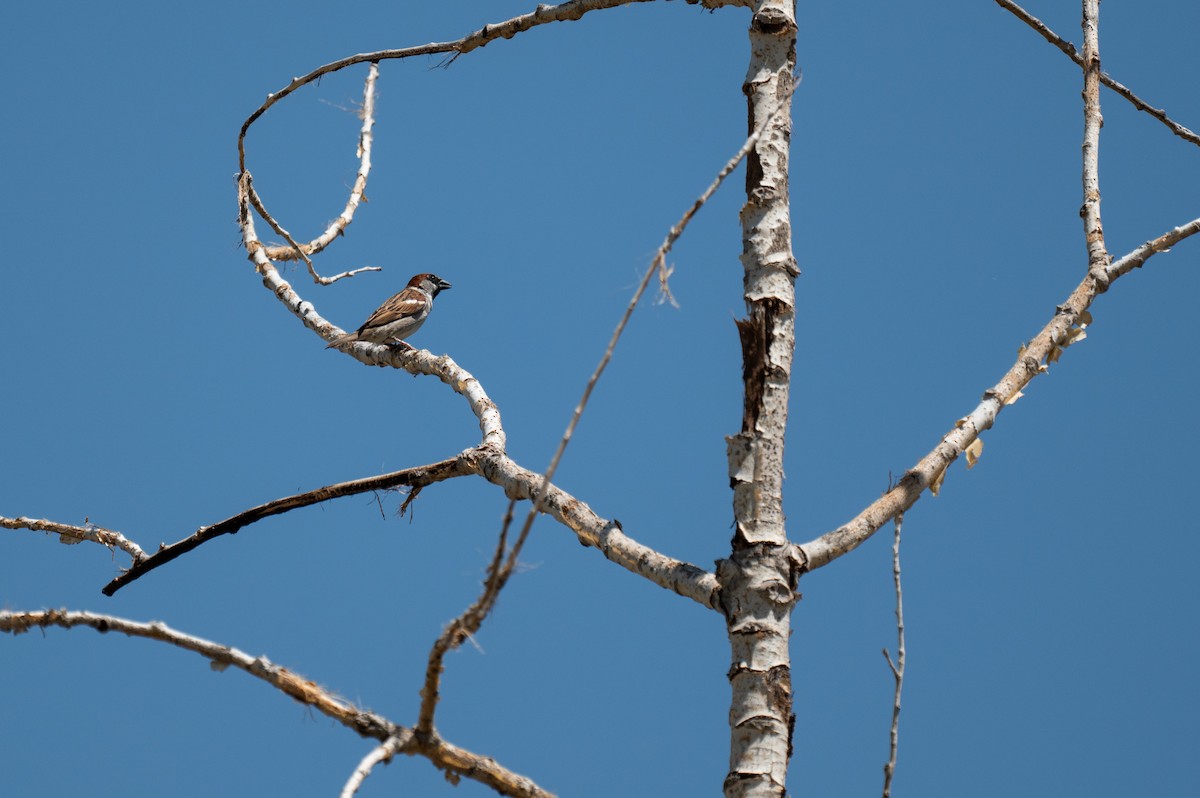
x=758 y=581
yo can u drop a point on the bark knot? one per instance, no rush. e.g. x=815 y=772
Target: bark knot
x=773 y=21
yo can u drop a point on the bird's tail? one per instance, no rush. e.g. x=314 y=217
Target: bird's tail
x=347 y=338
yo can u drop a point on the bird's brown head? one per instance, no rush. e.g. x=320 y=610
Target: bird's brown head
x=429 y=282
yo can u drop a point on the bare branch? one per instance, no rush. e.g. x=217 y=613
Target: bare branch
x=1032 y=360
x=413 y=477
x=380 y=753
x=680 y=577
x=466 y=625
x=339 y=225
x=897 y=666
x=365 y=723
x=77 y=534
x=295 y=250
x=1119 y=88
x=1138 y=257
x=457 y=762
x=568 y=11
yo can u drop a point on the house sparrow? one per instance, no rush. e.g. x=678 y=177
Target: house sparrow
x=400 y=316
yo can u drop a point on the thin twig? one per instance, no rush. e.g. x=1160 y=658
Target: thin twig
x=1119 y=88
x=68 y=533
x=657 y=265
x=897 y=666
x=296 y=249
x=380 y=753
x=415 y=477
x=467 y=624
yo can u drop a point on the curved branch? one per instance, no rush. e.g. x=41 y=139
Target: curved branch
x=1060 y=332
x=380 y=753
x=338 y=226
x=569 y=11
x=414 y=361
x=457 y=762
x=413 y=477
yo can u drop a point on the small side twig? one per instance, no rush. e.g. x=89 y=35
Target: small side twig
x=69 y=533
x=296 y=249
x=380 y=753
x=897 y=665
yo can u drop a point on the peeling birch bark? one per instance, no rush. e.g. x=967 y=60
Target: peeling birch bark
x=758 y=580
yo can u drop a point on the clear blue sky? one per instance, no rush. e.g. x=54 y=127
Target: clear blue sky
x=153 y=386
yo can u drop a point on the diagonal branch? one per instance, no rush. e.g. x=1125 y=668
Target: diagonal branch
x=1119 y=88
x=658 y=265
x=467 y=624
x=68 y=533
x=1062 y=330
x=365 y=723
x=413 y=477
x=457 y=762
x=681 y=577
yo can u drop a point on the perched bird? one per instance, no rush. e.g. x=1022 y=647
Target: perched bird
x=400 y=316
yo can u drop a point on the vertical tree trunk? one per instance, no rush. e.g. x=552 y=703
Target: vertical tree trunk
x=758 y=581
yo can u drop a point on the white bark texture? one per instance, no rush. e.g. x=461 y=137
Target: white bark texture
x=758 y=580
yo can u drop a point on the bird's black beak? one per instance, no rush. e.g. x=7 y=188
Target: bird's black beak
x=442 y=284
